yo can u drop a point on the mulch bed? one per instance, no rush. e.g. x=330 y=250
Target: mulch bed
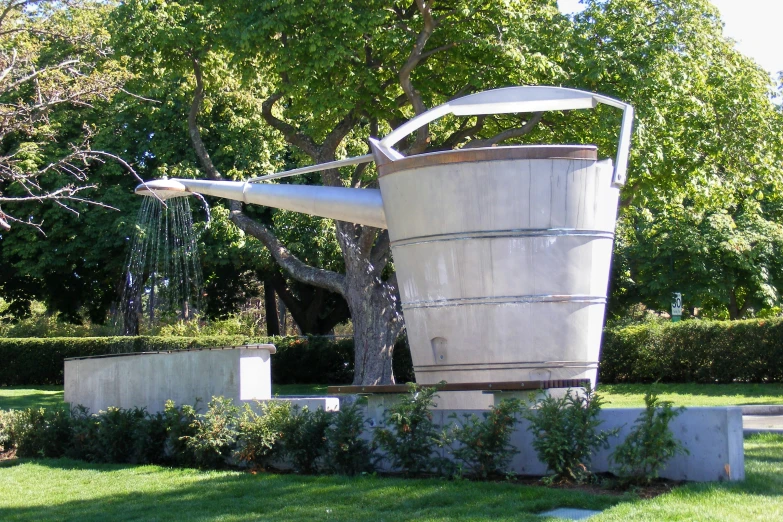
x=7 y=455
x=606 y=485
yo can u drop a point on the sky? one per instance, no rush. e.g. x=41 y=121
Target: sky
x=753 y=24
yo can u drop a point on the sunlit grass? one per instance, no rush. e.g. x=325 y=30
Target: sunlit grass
x=632 y=395
x=758 y=497
x=615 y=395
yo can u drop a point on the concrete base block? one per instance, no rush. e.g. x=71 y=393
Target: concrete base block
x=148 y=380
x=313 y=403
x=445 y=400
x=712 y=436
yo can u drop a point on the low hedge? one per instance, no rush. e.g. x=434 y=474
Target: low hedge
x=694 y=351
x=689 y=351
x=311 y=360
x=28 y=361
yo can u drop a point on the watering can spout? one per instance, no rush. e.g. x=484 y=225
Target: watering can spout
x=361 y=206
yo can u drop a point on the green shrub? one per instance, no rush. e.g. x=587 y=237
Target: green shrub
x=347 y=453
x=214 y=434
x=566 y=434
x=650 y=445
x=688 y=351
x=180 y=426
x=304 y=438
x=694 y=351
x=260 y=433
x=84 y=427
x=7 y=418
x=117 y=436
x=411 y=440
x=484 y=445
x=152 y=438
x=38 y=432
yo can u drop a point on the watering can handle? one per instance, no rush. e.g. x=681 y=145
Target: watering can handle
x=523 y=99
x=497 y=101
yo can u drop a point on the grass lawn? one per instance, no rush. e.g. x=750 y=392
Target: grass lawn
x=71 y=490
x=22 y=397
x=632 y=395
x=616 y=395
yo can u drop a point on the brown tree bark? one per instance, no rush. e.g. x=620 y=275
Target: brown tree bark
x=270 y=309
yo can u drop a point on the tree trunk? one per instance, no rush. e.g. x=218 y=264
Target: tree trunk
x=736 y=311
x=307 y=307
x=377 y=321
x=270 y=310
x=374 y=307
x=281 y=317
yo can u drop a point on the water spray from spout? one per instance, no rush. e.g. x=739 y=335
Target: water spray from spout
x=204 y=204
x=163 y=279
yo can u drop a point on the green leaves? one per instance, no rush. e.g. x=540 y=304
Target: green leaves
x=484 y=445
x=566 y=433
x=410 y=438
x=650 y=445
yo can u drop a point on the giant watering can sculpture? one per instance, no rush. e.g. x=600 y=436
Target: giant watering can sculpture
x=502 y=254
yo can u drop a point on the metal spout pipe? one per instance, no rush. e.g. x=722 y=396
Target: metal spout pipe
x=361 y=206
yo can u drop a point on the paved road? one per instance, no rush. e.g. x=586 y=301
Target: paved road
x=762 y=418
x=762 y=422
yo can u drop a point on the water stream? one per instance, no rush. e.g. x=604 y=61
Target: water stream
x=162 y=281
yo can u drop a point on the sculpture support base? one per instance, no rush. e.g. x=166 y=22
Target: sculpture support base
x=461 y=396
x=147 y=380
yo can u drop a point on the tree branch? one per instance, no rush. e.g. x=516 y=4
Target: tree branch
x=463 y=132
x=291 y=133
x=358 y=171
x=193 y=128
x=414 y=58
x=366 y=240
x=293 y=265
x=299 y=270
x=508 y=133
x=337 y=134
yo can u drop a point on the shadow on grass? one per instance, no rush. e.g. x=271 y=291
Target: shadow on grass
x=154 y=493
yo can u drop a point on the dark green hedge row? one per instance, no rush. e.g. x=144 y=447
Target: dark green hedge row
x=312 y=360
x=40 y=361
x=689 y=351
x=694 y=351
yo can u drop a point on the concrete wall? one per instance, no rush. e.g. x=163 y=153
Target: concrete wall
x=148 y=380
x=713 y=437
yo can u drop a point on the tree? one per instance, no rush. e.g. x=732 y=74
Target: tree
x=328 y=82
x=699 y=213
x=724 y=260
x=53 y=65
x=156 y=135
x=56 y=77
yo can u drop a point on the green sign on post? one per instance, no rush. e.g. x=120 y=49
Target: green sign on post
x=676 y=306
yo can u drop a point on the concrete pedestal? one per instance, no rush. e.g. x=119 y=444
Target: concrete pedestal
x=712 y=436
x=148 y=380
